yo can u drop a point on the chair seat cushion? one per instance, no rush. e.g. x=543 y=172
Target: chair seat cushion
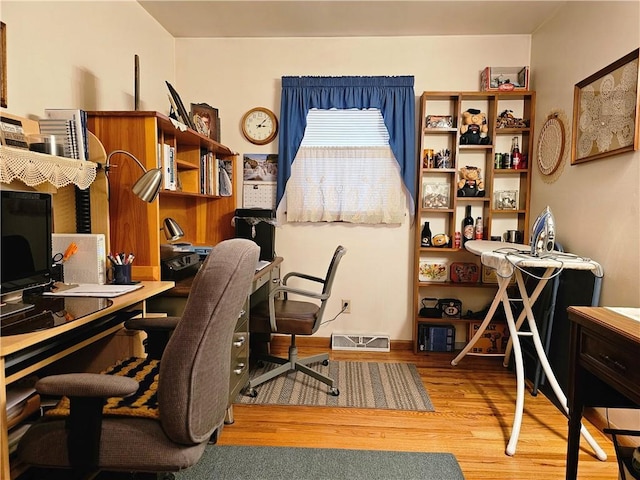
x=143 y=403
x=292 y=317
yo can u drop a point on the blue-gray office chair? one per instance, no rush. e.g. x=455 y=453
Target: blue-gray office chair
x=294 y=317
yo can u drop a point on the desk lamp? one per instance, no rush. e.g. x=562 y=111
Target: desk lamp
x=148 y=185
x=171 y=229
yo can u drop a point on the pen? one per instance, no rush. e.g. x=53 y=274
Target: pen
x=130 y=258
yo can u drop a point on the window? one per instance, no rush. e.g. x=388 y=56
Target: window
x=339 y=139
x=345 y=170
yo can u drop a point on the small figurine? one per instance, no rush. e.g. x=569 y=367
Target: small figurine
x=474 y=128
x=470 y=184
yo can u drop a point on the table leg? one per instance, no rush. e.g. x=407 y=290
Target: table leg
x=487 y=319
x=547 y=367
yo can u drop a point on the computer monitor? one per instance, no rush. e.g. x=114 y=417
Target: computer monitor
x=25 y=246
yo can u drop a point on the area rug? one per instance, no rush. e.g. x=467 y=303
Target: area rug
x=285 y=463
x=394 y=386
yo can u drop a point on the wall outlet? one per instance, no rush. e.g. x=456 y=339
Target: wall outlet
x=346 y=306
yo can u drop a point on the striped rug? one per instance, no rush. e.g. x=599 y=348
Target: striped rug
x=393 y=386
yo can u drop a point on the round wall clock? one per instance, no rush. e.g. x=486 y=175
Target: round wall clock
x=551 y=143
x=260 y=125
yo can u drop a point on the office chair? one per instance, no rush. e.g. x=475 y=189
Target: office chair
x=294 y=317
x=192 y=388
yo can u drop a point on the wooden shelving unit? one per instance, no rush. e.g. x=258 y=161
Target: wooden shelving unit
x=136 y=225
x=448 y=219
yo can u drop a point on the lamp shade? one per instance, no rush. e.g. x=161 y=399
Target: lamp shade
x=171 y=229
x=148 y=185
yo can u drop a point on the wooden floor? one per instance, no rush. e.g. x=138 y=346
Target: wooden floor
x=474 y=405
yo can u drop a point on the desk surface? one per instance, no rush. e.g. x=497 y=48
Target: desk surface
x=183 y=287
x=14 y=343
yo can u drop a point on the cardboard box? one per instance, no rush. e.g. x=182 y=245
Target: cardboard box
x=494 y=339
x=504 y=79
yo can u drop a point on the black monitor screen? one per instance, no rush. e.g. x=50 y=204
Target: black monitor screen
x=26 y=228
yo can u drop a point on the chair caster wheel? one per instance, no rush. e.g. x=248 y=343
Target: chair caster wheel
x=325 y=362
x=252 y=392
x=334 y=391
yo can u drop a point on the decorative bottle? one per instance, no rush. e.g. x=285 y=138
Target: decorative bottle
x=467 y=226
x=425 y=240
x=479 y=229
x=516 y=156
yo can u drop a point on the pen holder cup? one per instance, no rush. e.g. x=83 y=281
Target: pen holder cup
x=119 y=274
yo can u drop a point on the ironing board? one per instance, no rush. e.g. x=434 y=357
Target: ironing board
x=510 y=260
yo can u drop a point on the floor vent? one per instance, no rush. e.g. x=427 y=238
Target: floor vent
x=369 y=343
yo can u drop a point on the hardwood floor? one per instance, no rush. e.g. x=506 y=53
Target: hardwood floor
x=474 y=404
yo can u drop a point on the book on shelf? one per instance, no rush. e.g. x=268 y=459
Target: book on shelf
x=79 y=119
x=169 y=167
x=65 y=129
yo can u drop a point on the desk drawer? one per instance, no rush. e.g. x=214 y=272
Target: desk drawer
x=616 y=361
x=239 y=375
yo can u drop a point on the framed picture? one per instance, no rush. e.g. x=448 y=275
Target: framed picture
x=3 y=65
x=605 y=111
x=436 y=195
x=181 y=111
x=205 y=120
x=506 y=200
x=260 y=167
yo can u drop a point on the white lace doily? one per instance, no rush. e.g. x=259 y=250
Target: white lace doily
x=552 y=153
x=34 y=168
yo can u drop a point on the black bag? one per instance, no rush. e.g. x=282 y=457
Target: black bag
x=430 y=311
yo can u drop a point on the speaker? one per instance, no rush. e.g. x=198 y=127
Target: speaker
x=258 y=224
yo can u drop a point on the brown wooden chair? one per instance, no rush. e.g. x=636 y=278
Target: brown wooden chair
x=294 y=317
x=192 y=387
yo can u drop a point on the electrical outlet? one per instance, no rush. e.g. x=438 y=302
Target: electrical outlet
x=346 y=305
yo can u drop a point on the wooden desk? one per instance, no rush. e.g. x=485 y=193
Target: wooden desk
x=23 y=355
x=603 y=355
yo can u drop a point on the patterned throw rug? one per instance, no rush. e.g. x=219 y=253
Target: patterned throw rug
x=393 y=386
x=143 y=403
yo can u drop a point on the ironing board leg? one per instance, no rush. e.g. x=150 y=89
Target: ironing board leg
x=483 y=325
x=517 y=354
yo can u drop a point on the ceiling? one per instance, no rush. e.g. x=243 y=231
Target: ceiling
x=345 y=18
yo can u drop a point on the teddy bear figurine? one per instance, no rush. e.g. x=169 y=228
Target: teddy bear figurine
x=474 y=128
x=470 y=184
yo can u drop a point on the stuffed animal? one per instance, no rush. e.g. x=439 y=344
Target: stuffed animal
x=470 y=184
x=474 y=128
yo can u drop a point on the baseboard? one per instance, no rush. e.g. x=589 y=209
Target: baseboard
x=325 y=342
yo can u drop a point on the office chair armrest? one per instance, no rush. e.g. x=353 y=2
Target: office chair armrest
x=87 y=385
x=287 y=290
x=158 y=329
x=152 y=323
x=303 y=276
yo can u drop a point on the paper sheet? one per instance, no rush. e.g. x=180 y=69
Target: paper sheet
x=92 y=290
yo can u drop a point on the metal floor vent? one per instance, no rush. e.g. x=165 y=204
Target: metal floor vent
x=370 y=343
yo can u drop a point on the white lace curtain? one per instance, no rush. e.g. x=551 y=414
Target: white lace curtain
x=349 y=184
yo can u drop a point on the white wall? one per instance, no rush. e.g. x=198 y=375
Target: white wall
x=80 y=55
x=237 y=74
x=595 y=204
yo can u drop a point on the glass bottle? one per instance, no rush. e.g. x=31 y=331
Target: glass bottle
x=516 y=156
x=467 y=226
x=479 y=229
x=425 y=240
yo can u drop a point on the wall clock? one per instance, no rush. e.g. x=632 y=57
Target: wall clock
x=259 y=125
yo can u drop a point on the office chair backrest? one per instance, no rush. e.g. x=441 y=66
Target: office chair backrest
x=193 y=385
x=328 y=281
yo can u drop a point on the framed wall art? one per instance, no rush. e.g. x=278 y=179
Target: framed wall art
x=3 y=65
x=605 y=111
x=205 y=120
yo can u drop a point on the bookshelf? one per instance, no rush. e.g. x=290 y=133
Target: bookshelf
x=206 y=218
